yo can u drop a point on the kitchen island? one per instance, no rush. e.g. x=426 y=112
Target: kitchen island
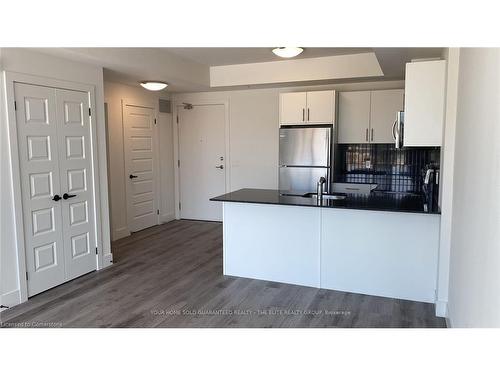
x=378 y=244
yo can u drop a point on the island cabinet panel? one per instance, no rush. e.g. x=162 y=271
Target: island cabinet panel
x=380 y=253
x=270 y=242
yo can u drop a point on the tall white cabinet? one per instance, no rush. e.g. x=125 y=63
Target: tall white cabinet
x=425 y=84
x=312 y=107
x=368 y=116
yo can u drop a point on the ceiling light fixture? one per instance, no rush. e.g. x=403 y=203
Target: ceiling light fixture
x=287 y=52
x=154 y=85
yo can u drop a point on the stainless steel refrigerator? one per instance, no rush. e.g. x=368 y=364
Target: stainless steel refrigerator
x=304 y=156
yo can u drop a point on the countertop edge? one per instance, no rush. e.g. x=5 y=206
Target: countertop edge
x=216 y=199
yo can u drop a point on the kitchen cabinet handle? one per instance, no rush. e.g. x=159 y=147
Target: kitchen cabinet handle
x=372 y=134
x=303 y=114
x=366 y=135
x=307 y=114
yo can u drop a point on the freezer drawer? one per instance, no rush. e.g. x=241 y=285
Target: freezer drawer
x=300 y=180
x=301 y=146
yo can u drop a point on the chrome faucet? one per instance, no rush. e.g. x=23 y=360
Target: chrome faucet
x=319 y=188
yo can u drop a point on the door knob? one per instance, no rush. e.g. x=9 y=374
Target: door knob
x=220 y=166
x=56 y=198
x=132 y=176
x=66 y=196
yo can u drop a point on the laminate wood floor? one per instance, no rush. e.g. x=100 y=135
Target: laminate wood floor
x=171 y=276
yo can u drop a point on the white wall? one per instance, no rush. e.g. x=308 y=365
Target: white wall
x=452 y=56
x=8 y=254
x=34 y=63
x=474 y=294
x=113 y=95
x=254 y=116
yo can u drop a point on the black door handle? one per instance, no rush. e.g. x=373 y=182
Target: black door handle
x=56 y=198
x=132 y=176
x=66 y=195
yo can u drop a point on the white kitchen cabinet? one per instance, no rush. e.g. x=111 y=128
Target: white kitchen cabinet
x=293 y=108
x=424 y=103
x=320 y=107
x=368 y=116
x=354 y=117
x=384 y=106
x=314 y=107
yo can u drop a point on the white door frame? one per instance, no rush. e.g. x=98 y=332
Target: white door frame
x=10 y=79
x=175 y=128
x=153 y=105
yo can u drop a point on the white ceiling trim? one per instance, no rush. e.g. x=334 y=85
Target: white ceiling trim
x=361 y=65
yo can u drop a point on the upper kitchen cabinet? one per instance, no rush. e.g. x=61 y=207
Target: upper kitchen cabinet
x=384 y=105
x=424 y=103
x=354 y=117
x=368 y=116
x=320 y=107
x=314 y=107
x=293 y=108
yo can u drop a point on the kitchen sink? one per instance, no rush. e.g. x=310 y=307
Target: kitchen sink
x=325 y=196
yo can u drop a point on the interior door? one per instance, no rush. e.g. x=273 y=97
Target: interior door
x=202 y=169
x=140 y=166
x=55 y=153
x=40 y=186
x=75 y=167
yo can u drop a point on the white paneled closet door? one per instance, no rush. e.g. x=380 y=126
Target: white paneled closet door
x=72 y=108
x=54 y=140
x=41 y=189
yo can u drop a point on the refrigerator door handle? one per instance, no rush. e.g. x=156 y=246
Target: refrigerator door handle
x=393 y=129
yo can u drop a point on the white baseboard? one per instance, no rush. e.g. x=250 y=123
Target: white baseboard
x=120 y=233
x=442 y=309
x=107 y=260
x=165 y=218
x=10 y=299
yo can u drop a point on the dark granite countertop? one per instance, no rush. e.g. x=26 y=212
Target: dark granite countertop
x=375 y=201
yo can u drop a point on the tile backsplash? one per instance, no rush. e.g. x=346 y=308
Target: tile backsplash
x=394 y=170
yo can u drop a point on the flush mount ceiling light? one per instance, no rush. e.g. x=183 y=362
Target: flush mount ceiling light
x=154 y=85
x=287 y=52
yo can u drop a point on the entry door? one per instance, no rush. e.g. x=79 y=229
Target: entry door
x=140 y=166
x=202 y=161
x=55 y=159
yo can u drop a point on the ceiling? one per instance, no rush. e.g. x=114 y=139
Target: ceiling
x=187 y=69
x=228 y=56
